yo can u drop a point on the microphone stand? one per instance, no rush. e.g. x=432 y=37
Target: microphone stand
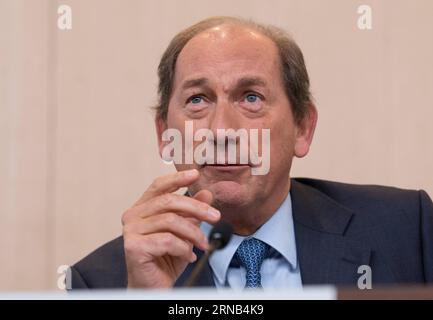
x=200 y=265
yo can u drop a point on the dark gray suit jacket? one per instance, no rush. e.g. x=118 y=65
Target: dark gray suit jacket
x=338 y=227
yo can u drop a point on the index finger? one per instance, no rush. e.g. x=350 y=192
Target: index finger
x=169 y=183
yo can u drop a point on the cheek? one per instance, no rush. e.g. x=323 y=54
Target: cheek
x=282 y=142
x=282 y=150
x=175 y=119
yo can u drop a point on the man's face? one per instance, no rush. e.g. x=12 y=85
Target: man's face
x=230 y=77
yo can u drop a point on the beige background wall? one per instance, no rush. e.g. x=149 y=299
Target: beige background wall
x=77 y=145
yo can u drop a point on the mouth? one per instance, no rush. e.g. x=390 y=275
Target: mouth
x=226 y=167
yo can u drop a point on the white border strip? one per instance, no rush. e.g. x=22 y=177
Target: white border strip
x=308 y=293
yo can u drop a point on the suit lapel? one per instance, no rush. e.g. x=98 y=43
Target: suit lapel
x=326 y=253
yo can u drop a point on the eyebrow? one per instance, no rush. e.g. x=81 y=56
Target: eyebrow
x=200 y=82
x=242 y=82
x=251 y=81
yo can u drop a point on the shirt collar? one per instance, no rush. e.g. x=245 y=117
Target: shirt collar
x=278 y=232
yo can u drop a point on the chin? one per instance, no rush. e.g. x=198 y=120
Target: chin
x=229 y=193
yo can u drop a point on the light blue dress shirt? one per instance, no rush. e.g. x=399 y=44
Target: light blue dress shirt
x=279 y=270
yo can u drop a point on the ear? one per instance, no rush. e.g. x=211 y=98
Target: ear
x=305 y=132
x=161 y=126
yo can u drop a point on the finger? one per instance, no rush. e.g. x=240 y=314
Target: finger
x=203 y=196
x=165 y=243
x=169 y=222
x=184 y=206
x=169 y=183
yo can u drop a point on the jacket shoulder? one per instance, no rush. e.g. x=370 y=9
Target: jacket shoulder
x=103 y=268
x=395 y=225
x=358 y=197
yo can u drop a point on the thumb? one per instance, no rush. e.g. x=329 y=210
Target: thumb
x=204 y=196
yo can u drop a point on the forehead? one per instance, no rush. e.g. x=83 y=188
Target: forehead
x=226 y=53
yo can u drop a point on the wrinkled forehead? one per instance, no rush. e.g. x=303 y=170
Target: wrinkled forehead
x=228 y=51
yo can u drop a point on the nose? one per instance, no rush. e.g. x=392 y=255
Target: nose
x=224 y=116
x=227 y=145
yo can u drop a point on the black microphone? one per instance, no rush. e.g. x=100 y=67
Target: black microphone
x=219 y=236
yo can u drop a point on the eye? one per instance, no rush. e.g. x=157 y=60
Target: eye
x=195 y=100
x=196 y=103
x=252 y=98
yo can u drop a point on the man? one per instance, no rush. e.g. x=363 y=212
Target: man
x=227 y=73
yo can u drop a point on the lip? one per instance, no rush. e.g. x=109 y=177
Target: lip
x=227 y=167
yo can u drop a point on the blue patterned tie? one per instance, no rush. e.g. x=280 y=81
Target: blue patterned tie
x=251 y=254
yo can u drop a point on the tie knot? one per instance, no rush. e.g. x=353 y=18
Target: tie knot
x=251 y=253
